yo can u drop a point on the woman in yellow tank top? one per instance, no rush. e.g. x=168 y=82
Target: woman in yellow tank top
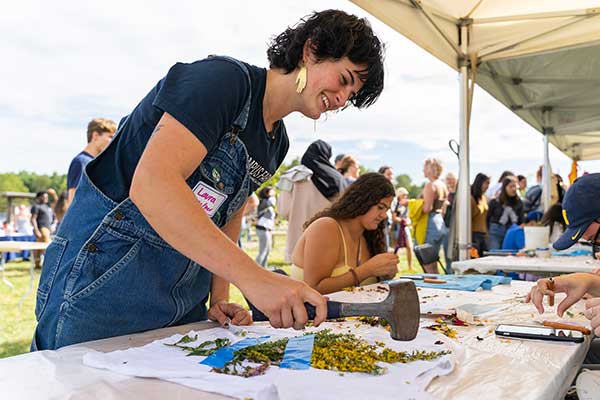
x=344 y=245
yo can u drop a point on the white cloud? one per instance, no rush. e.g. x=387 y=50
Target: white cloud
x=73 y=61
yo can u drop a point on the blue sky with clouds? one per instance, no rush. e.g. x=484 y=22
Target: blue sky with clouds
x=65 y=63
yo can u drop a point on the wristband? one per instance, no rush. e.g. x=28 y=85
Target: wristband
x=355 y=275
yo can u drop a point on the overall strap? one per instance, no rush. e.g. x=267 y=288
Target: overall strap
x=239 y=124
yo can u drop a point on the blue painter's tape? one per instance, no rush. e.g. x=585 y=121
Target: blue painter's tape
x=222 y=356
x=298 y=352
x=465 y=282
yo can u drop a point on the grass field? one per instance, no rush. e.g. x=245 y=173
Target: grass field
x=17 y=324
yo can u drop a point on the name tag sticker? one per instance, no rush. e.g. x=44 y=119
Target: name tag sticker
x=210 y=198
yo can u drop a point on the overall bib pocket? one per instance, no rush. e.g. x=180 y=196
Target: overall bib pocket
x=102 y=257
x=54 y=254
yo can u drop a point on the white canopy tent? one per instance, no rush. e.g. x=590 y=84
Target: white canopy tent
x=539 y=58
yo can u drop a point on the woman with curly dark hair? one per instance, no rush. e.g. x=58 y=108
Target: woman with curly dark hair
x=344 y=245
x=205 y=136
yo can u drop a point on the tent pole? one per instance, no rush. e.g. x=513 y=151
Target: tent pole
x=547 y=170
x=464 y=192
x=546 y=176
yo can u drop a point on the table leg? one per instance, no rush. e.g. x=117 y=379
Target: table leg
x=31 y=279
x=4 y=280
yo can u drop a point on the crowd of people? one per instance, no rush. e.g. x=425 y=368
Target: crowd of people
x=42 y=218
x=499 y=211
x=156 y=212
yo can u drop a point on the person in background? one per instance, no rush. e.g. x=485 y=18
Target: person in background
x=23 y=220
x=338 y=160
x=249 y=218
x=387 y=171
x=522 y=182
x=479 y=211
x=451 y=181
x=265 y=224
x=494 y=190
x=402 y=224
x=554 y=219
x=163 y=202
x=344 y=246
x=60 y=207
x=504 y=211
x=533 y=197
x=307 y=189
x=42 y=218
x=435 y=200
x=100 y=132
x=559 y=189
x=350 y=169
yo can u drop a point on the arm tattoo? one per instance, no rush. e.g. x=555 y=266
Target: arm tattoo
x=156 y=129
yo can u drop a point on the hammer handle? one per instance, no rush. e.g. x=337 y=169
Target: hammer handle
x=334 y=309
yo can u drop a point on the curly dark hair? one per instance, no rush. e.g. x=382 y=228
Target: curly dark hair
x=367 y=191
x=333 y=34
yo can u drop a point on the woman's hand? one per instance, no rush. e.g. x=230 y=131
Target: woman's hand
x=282 y=299
x=574 y=285
x=226 y=313
x=592 y=312
x=382 y=265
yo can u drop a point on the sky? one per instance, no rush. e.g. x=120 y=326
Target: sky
x=64 y=63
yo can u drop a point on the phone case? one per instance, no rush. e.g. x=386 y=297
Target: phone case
x=555 y=338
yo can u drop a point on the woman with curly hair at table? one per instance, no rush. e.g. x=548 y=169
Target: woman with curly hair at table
x=344 y=245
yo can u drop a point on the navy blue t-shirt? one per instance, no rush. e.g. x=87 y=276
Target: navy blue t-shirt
x=206 y=97
x=76 y=168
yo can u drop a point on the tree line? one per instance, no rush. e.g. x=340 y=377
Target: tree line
x=30 y=182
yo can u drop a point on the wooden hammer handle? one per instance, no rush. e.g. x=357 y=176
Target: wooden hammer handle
x=560 y=325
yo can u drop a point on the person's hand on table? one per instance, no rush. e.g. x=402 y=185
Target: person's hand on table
x=574 y=285
x=592 y=312
x=282 y=299
x=226 y=313
x=37 y=233
x=596 y=271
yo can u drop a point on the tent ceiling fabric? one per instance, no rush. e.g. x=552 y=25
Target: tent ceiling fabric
x=539 y=58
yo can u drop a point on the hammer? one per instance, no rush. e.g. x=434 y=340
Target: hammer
x=400 y=309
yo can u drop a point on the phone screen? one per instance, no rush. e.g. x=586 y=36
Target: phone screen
x=539 y=332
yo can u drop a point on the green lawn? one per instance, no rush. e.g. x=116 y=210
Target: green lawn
x=17 y=325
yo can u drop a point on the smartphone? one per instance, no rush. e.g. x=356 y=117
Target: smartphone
x=539 y=332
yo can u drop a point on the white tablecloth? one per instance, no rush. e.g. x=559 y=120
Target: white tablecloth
x=491 y=368
x=563 y=265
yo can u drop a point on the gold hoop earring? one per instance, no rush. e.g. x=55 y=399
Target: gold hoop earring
x=301 y=80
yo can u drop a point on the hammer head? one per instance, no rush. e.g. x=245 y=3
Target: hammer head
x=402 y=310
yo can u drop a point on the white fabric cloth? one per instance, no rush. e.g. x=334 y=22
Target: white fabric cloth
x=492 y=368
x=156 y=360
x=554 y=264
x=489 y=367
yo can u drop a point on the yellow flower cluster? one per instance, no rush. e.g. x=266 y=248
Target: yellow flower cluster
x=349 y=353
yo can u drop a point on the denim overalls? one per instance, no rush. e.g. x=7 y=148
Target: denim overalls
x=108 y=273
